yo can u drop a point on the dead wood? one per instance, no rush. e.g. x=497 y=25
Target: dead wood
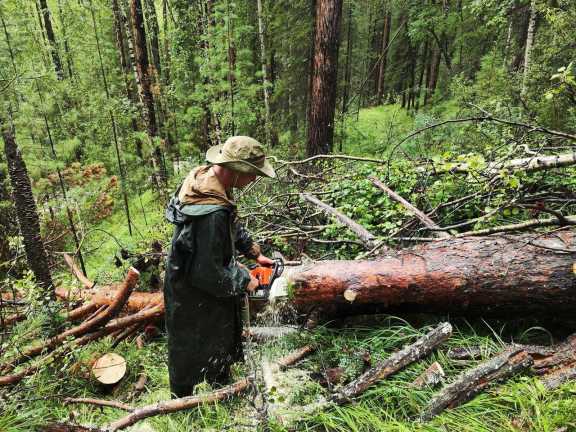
x=495 y=275
x=432 y=376
x=419 y=214
x=111 y=327
x=109 y=369
x=87 y=283
x=559 y=376
x=81 y=311
x=367 y=237
x=87 y=326
x=473 y=381
x=530 y=164
x=397 y=361
x=105 y=295
x=523 y=226
x=68 y=427
x=12 y=319
x=170 y=406
x=100 y=402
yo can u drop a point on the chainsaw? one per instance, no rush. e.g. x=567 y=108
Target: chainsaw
x=266 y=277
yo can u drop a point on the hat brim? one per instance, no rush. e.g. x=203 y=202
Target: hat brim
x=215 y=156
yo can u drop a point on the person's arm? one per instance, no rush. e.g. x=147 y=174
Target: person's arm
x=249 y=248
x=212 y=244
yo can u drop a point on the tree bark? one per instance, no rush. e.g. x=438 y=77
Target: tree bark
x=397 y=361
x=26 y=210
x=51 y=39
x=144 y=83
x=473 y=381
x=322 y=100
x=153 y=30
x=493 y=275
x=433 y=75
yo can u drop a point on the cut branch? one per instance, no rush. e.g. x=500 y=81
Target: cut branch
x=395 y=362
x=367 y=237
x=98 y=321
x=473 y=381
x=420 y=215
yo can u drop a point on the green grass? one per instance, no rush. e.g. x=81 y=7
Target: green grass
x=521 y=404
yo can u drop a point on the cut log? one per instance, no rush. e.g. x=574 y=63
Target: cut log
x=471 y=382
x=109 y=369
x=430 y=377
x=494 y=275
x=111 y=327
x=367 y=237
x=394 y=363
x=98 y=321
x=105 y=295
x=419 y=214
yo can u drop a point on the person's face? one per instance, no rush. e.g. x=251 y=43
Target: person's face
x=244 y=180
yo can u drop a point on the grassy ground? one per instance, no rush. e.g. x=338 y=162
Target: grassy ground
x=521 y=404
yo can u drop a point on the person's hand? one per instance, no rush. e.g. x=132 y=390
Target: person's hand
x=253 y=284
x=264 y=261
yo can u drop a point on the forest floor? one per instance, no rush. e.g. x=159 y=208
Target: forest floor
x=349 y=346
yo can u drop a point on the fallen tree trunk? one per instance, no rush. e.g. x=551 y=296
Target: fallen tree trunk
x=482 y=275
x=471 y=382
x=529 y=164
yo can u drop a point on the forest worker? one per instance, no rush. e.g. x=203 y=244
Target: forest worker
x=204 y=284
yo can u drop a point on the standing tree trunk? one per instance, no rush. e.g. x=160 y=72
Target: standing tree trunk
x=264 y=72
x=51 y=39
x=121 y=46
x=383 y=57
x=432 y=75
x=322 y=100
x=144 y=82
x=153 y=30
x=26 y=210
x=529 y=43
x=347 y=77
x=66 y=45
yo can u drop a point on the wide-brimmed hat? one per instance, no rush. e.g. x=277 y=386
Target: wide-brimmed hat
x=242 y=154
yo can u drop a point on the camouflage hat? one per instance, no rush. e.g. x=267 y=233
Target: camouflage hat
x=242 y=154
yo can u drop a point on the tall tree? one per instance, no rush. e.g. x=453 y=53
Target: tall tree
x=528 y=48
x=51 y=39
x=26 y=211
x=153 y=30
x=144 y=82
x=264 y=71
x=383 y=56
x=324 y=74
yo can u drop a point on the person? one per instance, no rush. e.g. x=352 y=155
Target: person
x=204 y=284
